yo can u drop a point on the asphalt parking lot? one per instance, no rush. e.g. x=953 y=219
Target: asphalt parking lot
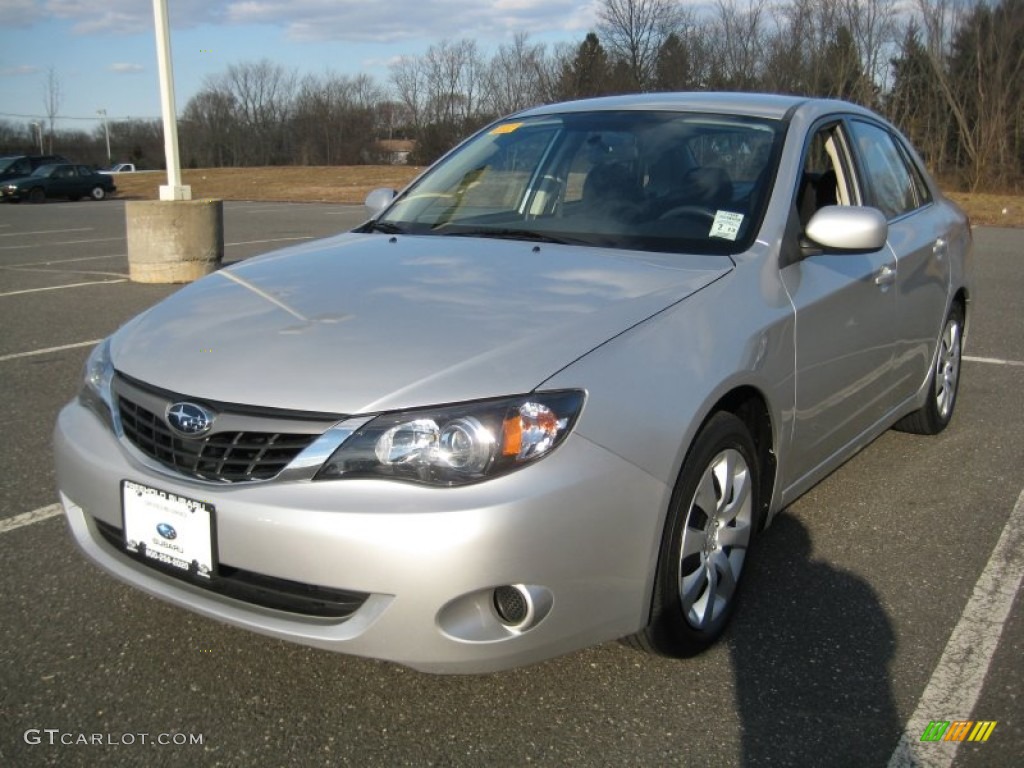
x=888 y=594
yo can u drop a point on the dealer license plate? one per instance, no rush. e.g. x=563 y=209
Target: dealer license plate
x=169 y=529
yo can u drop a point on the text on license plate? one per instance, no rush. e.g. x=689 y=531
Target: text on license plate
x=168 y=528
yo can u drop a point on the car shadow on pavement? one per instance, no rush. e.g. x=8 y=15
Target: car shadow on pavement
x=811 y=653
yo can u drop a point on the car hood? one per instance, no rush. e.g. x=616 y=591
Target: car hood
x=19 y=180
x=363 y=323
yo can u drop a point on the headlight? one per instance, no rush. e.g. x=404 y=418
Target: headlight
x=96 y=392
x=459 y=444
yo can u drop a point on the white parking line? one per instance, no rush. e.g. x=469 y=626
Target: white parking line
x=62 y=261
x=63 y=242
x=994 y=361
x=64 y=271
x=957 y=681
x=62 y=287
x=47 y=231
x=272 y=240
x=18 y=355
x=35 y=516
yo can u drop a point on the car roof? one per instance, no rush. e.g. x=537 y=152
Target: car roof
x=772 y=106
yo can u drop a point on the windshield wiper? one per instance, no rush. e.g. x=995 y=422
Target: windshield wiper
x=512 y=234
x=384 y=226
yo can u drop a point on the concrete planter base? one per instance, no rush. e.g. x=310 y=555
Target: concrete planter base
x=174 y=241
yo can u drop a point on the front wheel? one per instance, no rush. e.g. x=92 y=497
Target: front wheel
x=943 y=382
x=36 y=195
x=711 y=525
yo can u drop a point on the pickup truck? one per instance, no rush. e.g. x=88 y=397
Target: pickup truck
x=120 y=168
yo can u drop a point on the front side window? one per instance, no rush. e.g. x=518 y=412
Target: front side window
x=661 y=181
x=826 y=178
x=890 y=185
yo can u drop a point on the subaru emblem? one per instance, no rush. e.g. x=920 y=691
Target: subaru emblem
x=189 y=419
x=167 y=531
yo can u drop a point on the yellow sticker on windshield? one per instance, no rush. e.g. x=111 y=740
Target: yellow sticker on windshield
x=506 y=128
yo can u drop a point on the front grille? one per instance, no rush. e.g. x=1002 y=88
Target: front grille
x=255 y=588
x=228 y=456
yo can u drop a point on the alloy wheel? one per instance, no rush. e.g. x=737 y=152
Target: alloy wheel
x=715 y=538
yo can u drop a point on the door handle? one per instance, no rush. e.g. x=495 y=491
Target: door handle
x=885 y=276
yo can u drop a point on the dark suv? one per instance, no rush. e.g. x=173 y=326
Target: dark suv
x=17 y=166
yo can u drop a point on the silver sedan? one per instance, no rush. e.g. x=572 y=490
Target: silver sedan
x=547 y=396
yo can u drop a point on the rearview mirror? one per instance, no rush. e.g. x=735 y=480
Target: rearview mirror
x=378 y=200
x=848 y=228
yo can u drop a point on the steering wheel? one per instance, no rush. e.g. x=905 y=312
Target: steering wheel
x=689 y=212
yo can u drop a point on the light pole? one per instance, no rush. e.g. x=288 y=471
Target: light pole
x=39 y=128
x=106 y=130
x=174 y=189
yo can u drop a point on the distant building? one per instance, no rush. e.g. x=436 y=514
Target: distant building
x=395 y=151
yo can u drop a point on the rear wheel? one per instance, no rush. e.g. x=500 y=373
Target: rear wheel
x=36 y=195
x=98 y=193
x=710 y=527
x=944 y=381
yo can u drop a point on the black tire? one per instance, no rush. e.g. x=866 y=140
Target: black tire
x=943 y=382
x=692 y=603
x=98 y=193
x=37 y=195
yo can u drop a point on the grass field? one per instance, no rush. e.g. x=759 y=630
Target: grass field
x=350 y=184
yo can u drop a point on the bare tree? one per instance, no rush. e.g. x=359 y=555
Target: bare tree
x=210 y=134
x=453 y=73
x=514 y=76
x=977 y=60
x=263 y=93
x=52 y=98
x=874 y=28
x=408 y=80
x=739 y=44
x=634 y=31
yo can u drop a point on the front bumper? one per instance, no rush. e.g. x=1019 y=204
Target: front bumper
x=581 y=527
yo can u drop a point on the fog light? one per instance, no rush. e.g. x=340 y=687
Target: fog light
x=514 y=605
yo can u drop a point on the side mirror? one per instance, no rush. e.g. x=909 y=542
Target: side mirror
x=378 y=200
x=848 y=228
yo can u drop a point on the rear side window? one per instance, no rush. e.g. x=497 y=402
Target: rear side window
x=888 y=181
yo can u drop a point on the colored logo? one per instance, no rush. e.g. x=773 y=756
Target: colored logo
x=167 y=531
x=958 y=730
x=189 y=419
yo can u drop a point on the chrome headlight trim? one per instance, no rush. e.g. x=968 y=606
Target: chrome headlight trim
x=456 y=445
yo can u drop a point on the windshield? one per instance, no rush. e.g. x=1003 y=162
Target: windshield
x=43 y=170
x=660 y=181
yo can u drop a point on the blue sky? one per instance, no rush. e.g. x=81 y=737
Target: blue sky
x=104 y=52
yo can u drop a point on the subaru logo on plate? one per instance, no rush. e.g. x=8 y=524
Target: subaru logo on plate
x=189 y=419
x=167 y=531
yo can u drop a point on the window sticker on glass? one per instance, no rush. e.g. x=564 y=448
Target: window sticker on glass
x=506 y=128
x=726 y=225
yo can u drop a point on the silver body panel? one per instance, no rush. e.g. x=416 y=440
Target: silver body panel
x=838 y=345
